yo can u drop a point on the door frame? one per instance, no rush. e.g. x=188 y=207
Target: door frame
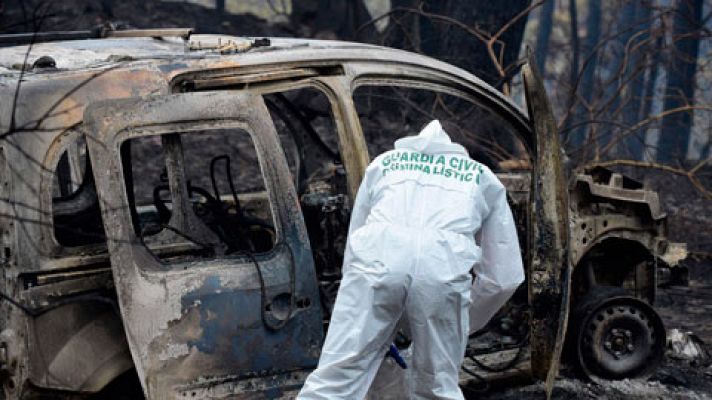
x=165 y=309
x=550 y=266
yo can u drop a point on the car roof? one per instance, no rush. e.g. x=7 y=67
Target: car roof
x=174 y=55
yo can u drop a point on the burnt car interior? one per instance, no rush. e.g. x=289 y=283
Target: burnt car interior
x=304 y=120
x=197 y=195
x=75 y=206
x=226 y=194
x=224 y=208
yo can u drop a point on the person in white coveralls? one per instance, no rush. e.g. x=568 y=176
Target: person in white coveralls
x=411 y=248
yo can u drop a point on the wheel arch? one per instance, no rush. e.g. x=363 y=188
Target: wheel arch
x=78 y=347
x=621 y=260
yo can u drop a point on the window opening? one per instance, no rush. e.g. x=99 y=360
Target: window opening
x=75 y=206
x=387 y=113
x=307 y=130
x=198 y=195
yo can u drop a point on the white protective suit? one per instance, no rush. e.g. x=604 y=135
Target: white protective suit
x=410 y=250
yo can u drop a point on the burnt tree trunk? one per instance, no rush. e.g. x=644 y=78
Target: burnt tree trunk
x=633 y=142
x=616 y=83
x=403 y=31
x=588 y=75
x=650 y=85
x=604 y=103
x=573 y=15
x=675 y=129
x=542 y=37
x=572 y=114
x=450 y=43
x=331 y=19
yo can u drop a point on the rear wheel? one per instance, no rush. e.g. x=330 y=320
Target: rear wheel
x=617 y=336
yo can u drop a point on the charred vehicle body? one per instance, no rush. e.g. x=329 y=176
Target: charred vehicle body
x=176 y=208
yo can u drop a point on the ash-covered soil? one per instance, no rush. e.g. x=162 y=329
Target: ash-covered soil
x=658 y=388
x=675 y=379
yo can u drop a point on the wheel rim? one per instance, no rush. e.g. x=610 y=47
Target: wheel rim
x=621 y=338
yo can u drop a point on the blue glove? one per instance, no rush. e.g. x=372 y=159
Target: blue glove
x=393 y=352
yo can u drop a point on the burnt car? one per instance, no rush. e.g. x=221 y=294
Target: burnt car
x=174 y=207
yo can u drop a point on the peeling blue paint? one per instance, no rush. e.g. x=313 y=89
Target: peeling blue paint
x=232 y=330
x=166 y=68
x=273 y=393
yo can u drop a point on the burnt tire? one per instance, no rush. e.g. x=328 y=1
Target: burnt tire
x=615 y=336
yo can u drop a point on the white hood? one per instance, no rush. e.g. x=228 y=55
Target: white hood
x=431 y=140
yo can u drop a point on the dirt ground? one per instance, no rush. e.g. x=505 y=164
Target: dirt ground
x=686 y=308
x=676 y=379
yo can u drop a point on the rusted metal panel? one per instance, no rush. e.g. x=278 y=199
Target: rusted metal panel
x=550 y=268
x=587 y=231
x=232 y=80
x=47 y=114
x=352 y=144
x=188 y=327
x=104 y=32
x=614 y=190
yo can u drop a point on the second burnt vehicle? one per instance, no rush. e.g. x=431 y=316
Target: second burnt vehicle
x=174 y=207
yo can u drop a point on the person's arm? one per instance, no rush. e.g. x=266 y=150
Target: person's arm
x=500 y=270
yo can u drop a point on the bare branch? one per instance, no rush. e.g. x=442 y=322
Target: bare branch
x=689 y=174
x=651 y=119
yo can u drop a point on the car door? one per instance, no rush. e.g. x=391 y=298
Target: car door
x=550 y=266
x=205 y=317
